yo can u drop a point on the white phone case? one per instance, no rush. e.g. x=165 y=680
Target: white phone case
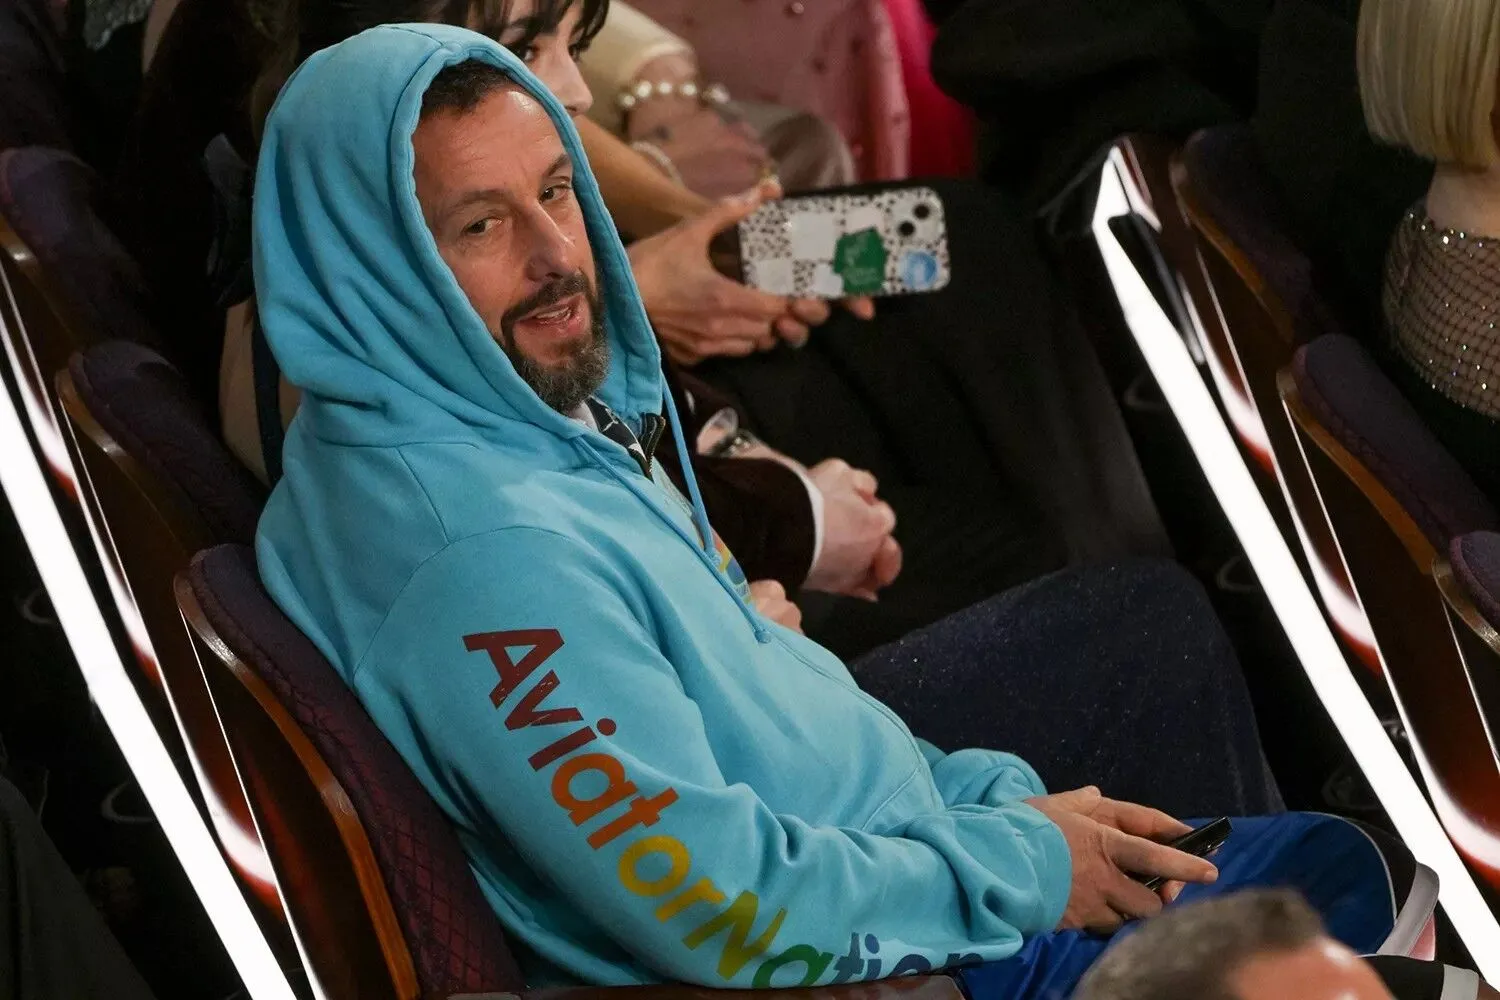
x=831 y=246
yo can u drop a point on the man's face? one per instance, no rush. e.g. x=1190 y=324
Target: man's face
x=496 y=189
x=1323 y=970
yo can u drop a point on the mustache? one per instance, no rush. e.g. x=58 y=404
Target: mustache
x=549 y=294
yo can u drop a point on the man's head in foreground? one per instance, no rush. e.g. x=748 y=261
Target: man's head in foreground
x=496 y=189
x=1254 y=945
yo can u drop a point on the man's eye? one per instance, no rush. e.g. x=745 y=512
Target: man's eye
x=479 y=227
x=577 y=49
x=558 y=191
x=528 y=54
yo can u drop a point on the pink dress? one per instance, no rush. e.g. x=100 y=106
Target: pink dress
x=835 y=58
x=942 y=130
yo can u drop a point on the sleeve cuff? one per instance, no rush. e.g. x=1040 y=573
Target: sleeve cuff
x=815 y=500
x=1054 y=868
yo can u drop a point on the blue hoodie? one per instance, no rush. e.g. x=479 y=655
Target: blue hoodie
x=652 y=781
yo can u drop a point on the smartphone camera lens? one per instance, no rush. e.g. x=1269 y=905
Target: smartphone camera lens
x=906 y=229
x=922 y=212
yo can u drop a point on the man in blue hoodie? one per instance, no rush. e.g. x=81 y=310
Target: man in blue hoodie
x=652 y=779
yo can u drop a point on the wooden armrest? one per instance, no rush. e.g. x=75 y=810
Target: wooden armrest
x=937 y=987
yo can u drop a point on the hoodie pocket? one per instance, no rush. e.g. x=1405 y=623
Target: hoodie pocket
x=846 y=683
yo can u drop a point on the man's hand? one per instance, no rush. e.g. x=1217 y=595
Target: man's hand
x=1107 y=839
x=699 y=313
x=769 y=598
x=859 y=556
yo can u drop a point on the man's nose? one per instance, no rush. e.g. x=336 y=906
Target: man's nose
x=551 y=252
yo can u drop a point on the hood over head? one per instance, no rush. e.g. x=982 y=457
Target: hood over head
x=362 y=313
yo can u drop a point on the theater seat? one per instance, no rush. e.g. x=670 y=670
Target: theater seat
x=146 y=407
x=1265 y=302
x=1340 y=384
x=158 y=486
x=1475 y=561
x=1231 y=199
x=67 y=282
x=58 y=207
x=375 y=880
x=1469 y=578
x=372 y=875
x=1389 y=496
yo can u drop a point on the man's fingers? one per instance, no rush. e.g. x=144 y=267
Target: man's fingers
x=1131 y=899
x=1080 y=800
x=862 y=308
x=1169 y=891
x=831 y=467
x=1104 y=921
x=887 y=564
x=884 y=568
x=864 y=483
x=767 y=590
x=1143 y=821
x=887 y=517
x=1148 y=858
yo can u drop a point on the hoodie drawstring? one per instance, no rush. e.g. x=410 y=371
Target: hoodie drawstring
x=700 y=512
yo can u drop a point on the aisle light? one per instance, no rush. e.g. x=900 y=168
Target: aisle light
x=245 y=852
x=1294 y=605
x=111 y=690
x=1342 y=607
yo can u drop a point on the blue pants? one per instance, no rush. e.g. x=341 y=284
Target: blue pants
x=1335 y=866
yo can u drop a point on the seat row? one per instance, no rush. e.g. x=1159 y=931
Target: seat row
x=1396 y=540
x=355 y=875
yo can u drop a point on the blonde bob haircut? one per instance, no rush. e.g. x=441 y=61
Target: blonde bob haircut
x=1427 y=76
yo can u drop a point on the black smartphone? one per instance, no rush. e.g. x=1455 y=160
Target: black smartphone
x=1202 y=842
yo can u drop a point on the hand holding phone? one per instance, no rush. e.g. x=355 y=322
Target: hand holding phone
x=1201 y=843
x=1108 y=840
x=890 y=242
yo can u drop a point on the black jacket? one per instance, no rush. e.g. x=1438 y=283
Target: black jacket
x=1055 y=81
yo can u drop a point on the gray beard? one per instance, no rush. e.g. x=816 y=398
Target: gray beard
x=565 y=388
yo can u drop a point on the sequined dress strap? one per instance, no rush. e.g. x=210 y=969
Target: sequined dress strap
x=1442 y=304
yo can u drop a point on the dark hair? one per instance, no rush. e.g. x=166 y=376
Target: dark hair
x=1191 y=951
x=322 y=23
x=309 y=25
x=462 y=86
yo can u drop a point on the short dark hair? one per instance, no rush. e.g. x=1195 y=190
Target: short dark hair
x=1191 y=951
x=460 y=87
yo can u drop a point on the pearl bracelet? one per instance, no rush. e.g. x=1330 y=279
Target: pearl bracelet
x=644 y=90
x=657 y=155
